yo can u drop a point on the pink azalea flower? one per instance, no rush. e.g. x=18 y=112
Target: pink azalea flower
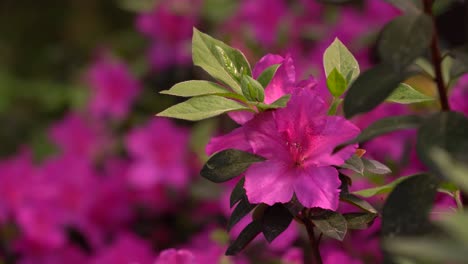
x=293 y=256
x=126 y=249
x=297 y=142
x=459 y=96
x=159 y=150
x=173 y=256
x=113 y=88
x=77 y=137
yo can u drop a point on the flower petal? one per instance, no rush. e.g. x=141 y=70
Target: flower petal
x=268 y=182
x=318 y=187
x=265 y=62
x=234 y=140
x=282 y=83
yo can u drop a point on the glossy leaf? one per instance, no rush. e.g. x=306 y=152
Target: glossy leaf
x=336 y=83
x=370 y=89
x=404 y=39
x=195 y=88
x=276 y=220
x=244 y=238
x=375 y=167
x=252 y=89
x=266 y=76
x=355 y=164
x=406 y=210
x=237 y=193
x=242 y=209
x=356 y=201
x=338 y=57
x=228 y=164
x=383 y=189
x=224 y=63
x=446 y=131
x=384 y=126
x=202 y=107
x=359 y=220
x=330 y=223
x=405 y=94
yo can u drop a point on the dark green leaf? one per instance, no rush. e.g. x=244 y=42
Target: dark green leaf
x=375 y=167
x=408 y=6
x=407 y=208
x=383 y=189
x=237 y=193
x=370 y=89
x=280 y=103
x=330 y=223
x=266 y=76
x=405 y=94
x=202 y=107
x=354 y=200
x=384 y=126
x=447 y=131
x=218 y=59
x=338 y=57
x=244 y=238
x=336 y=83
x=195 y=88
x=359 y=220
x=275 y=220
x=241 y=210
x=355 y=164
x=404 y=39
x=460 y=62
x=252 y=89
x=228 y=164
x=454 y=171
x=294 y=206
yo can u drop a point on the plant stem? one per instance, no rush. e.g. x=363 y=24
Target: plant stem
x=314 y=244
x=458 y=199
x=437 y=58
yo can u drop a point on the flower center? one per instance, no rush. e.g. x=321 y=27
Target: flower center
x=295 y=149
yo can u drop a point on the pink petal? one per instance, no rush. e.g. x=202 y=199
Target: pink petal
x=241 y=117
x=234 y=140
x=269 y=182
x=282 y=83
x=318 y=187
x=265 y=62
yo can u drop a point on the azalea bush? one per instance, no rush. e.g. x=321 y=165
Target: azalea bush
x=285 y=132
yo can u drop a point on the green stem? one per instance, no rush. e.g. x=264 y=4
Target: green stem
x=437 y=59
x=458 y=199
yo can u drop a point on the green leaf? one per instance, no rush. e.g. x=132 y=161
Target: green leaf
x=405 y=94
x=370 y=89
x=202 y=107
x=334 y=106
x=451 y=169
x=405 y=213
x=252 y=89
x=228 y=164
x=195 y=88
x=244 y=238
x=275 y=221
x=384 y=126
x=294 y=206
x=336 y=83
x=237 y=193
x=224 y=63
x=355 y=164
x=330 y=223
x=387 y=188
x=200 y=135
x=359 y=220
x=241 y=210
x=460 y=62
x=356 y=201
x=404 y=39
x=375 y=167
x=446 y=131
x=338 y=57
x=456 y=226
x=408 y=6
x=280 y=103
x=267 y=75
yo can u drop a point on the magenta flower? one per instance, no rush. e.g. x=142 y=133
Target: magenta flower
x=297 y=142
x=126 y=249
x=159 y=150
x=173 y=256
x=113 y=88
x=459 y=96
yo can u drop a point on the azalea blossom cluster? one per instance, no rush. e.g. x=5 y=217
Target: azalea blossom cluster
x=123 y=186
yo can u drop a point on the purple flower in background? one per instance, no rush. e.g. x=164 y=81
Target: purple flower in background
x=77 y=137
x=173 y=256
x=113 y=88
x=169 y=26
x=459 y=96
x=159 y=151
x=126 y=249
